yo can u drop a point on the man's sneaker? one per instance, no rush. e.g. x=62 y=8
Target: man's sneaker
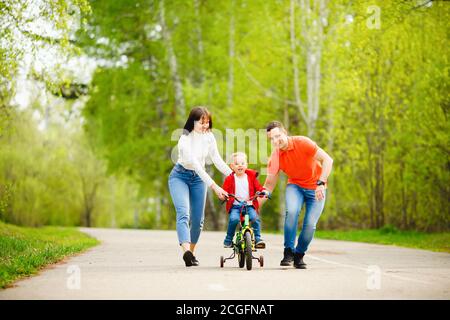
x=288 y=257
x=187 y=257
x=260 y=244
x=227 y=245
x=298 y=261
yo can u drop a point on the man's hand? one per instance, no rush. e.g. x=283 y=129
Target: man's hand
x=269 y=185
x=261 y=200
x=320 y=195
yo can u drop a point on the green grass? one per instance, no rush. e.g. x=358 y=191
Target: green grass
x=24 y=251
x=389 y=235
x=412 y=239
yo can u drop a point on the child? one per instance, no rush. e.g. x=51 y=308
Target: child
x=243 y=183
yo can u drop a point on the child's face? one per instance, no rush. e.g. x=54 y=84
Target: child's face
x=239 y=164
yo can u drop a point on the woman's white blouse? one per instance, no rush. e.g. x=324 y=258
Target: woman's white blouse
x=194 y=148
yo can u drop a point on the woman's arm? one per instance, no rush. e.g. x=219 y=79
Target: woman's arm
x=216 y=158
x=184 y=147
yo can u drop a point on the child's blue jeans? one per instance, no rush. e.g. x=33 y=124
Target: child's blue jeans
x=235 y=218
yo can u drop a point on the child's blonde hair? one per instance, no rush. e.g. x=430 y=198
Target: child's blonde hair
x=237 y=154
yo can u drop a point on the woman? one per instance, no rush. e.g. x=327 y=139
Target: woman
x=188 y=180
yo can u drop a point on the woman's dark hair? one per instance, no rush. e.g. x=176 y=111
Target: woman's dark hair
x=195 y=115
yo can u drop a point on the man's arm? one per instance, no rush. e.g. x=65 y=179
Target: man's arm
x=269 y=184
x=327 y=164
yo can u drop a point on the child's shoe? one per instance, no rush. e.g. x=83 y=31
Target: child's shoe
x=227 y=244
x=260 y=244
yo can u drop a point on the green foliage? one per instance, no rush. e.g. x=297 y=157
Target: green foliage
x=390 y=133
x=382 y=107
x=53 y=178
x=383 y=99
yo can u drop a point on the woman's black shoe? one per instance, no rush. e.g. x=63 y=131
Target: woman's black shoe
x=194 y=261
x=188 y=257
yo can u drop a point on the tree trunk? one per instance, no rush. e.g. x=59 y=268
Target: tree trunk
x=89 y=200
x=371 y=187
x=198 y=31
x=379 y=191
x=330 y=110
x=404 y=197
x=312 y=20
x=180 y=106
x=298 y=101
x=231 y=53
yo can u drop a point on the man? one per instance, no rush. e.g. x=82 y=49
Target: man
x=307 y=167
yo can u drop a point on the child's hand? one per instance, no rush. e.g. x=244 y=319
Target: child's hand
x=266 y=193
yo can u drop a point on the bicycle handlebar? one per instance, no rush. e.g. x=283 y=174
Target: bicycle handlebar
x=258 y=194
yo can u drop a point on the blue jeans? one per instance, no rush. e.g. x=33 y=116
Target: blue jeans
x=188 y=192
x=235 y=218
x=295 y=197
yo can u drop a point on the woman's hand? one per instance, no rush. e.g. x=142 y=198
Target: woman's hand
x=222 y=194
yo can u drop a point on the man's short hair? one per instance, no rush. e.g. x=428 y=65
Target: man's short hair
x=274 y=124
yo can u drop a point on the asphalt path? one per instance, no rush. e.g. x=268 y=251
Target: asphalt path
x=147 y=264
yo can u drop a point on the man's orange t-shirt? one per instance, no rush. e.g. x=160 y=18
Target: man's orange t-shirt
x=298 y=162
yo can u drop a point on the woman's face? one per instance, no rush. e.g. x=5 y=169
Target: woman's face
x=202 y=125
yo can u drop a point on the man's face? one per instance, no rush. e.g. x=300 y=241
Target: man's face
x=278 y=138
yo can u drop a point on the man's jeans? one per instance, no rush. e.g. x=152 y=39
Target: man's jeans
x=295 y=197
x=235 y=218
x=188 y=192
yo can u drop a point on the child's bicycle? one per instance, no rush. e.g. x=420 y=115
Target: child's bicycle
x=244 y=240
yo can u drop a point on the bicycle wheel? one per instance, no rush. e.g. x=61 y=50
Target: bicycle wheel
x=248 y=250
x=241 y=258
